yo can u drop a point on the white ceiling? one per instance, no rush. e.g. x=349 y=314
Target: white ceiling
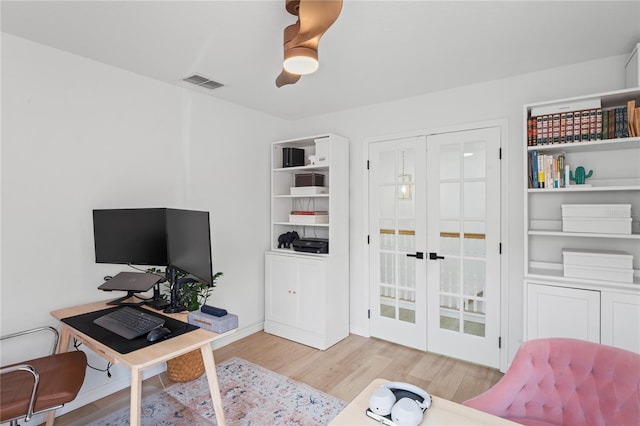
x=376 y=51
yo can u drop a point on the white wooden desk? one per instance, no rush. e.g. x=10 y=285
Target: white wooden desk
x=146 y=357
x=441 y=412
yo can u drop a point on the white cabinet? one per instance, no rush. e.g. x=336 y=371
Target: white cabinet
x=620 y=320
x=307 y=293
x=558 y=304
x=555 y=311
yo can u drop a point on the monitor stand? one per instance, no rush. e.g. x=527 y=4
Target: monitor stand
x=121 y=300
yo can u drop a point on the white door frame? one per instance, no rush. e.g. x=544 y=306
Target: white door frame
x=504 y=189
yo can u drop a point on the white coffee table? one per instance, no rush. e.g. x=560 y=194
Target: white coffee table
x=441 y=412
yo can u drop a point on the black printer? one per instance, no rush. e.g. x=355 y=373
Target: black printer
x=311 y=245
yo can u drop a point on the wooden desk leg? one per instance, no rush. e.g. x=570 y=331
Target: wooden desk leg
x=63 y=346
x=65 y=339
x=214 y=387
x=136 y=397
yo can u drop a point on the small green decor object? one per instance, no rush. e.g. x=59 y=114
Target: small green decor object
x=581 y=176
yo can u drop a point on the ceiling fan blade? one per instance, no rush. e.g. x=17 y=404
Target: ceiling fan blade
x=286 y=78
x=315 y=18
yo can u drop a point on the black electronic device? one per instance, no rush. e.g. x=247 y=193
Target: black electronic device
x=292 y=157
x=178 y=239
x=189 y=243
x=131 y=282
x=128 y=322
x=311 y=245
x=130 y=236
x=158 y=334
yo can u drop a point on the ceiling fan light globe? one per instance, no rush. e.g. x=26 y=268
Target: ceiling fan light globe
x=301 y=65
x=300 y=60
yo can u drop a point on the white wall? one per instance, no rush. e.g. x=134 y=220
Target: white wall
x=501 y=99
x=79 y=135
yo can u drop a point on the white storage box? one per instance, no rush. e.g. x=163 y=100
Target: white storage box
x=594 y=273
x=213 y=323
x=597 y=258
x=596 y=210
x=597 y=225
x=309 y=218
x=309 y=190
x=322 y=151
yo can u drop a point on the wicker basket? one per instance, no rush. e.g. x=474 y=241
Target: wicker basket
x=187 y=367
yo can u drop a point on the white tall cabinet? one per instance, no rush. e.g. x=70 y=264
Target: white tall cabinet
x=592 y=309
x=307 y=294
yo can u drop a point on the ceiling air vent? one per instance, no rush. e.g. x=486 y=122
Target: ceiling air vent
x=201 y=81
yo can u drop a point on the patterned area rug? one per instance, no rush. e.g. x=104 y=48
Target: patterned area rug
x=251 y=395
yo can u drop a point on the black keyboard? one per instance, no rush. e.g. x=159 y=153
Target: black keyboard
x=129 y=322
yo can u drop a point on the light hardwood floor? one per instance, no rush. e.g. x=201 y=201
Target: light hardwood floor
x=342 y=371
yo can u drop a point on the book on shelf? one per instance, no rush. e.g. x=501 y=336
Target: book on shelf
x=631 y=124
x=547 y=171
x=309 y=213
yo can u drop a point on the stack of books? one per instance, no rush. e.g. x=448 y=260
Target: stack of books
x=598 y=265
x=311 y=217
x=548 y=171
x=583 y=125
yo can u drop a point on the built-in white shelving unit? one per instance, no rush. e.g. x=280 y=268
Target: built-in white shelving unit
x=307 y=294
x=592 y=309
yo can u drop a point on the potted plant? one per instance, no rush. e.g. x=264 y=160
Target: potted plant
x=193 y=294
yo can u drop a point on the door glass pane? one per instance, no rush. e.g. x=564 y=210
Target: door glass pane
x=449 y=200
x=474 y=200
x=387 y=268
x=387 y=302
x=407 y=163
x=387 y=201
x=407 y=235
x=407 y=311
x=474 y=282
x=474 y=160
x=387 y=166
x=387 y=234
x=450 y=237
x=474 y=238
x=449 y=313
x=449 y=275
x=449 y=162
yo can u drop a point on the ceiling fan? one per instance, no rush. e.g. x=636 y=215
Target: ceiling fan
x=301 y=39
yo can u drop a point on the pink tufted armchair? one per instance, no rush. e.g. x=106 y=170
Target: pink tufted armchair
x=561 y=381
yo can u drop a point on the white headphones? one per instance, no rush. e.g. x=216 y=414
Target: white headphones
x=402 y=403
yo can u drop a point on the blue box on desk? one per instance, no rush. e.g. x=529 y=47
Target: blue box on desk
x=213 y=323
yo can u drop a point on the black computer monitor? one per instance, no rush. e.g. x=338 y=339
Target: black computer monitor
x=130 y=236
x=189 y=243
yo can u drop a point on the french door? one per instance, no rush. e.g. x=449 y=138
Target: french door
x=434 y=238
x=397 y=238
x=464 y=245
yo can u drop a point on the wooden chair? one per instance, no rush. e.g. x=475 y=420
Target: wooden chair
x=39 y=385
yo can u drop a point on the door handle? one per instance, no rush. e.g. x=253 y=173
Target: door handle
x=434 y=256
x=418 y=255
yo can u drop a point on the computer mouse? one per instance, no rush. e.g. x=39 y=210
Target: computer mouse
x=158 y=334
